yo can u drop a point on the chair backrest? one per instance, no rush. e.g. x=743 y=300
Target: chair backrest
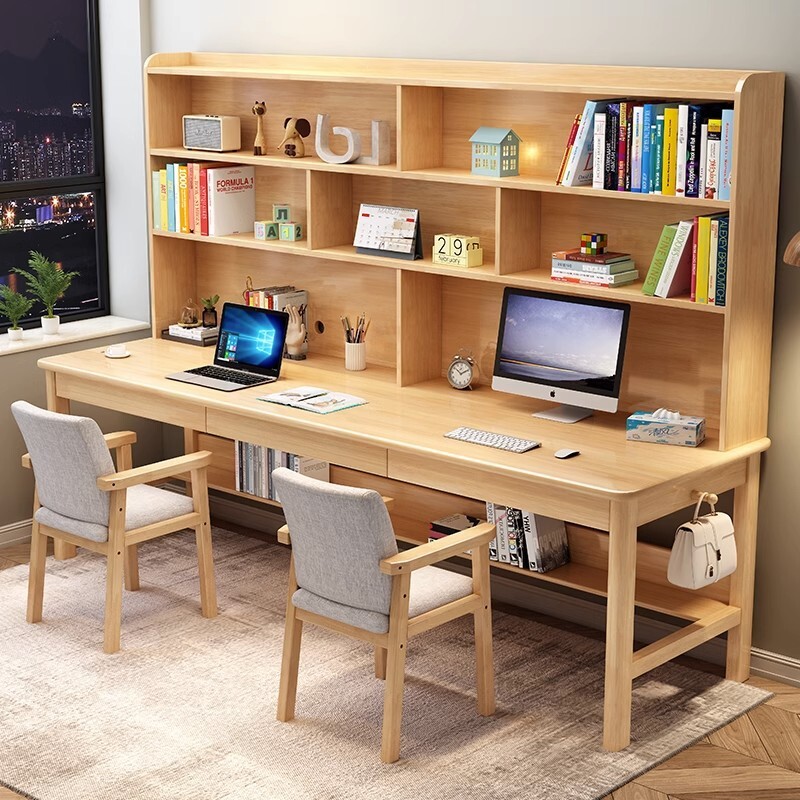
x=339 y=536
x=68 y=455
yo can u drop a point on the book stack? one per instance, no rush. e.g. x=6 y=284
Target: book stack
x=206 y=199
x=599 y=269
x=280 y=298
x=453 y=523
x=691 y=257
x=254 y=464
x=676 y=149
x=198 y=335
x=527 y=540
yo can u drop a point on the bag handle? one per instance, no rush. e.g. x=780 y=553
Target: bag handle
x=703 y=496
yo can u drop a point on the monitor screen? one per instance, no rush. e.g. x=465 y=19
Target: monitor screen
x=252 y=338
x=560 y=347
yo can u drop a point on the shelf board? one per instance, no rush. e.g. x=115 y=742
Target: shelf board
x=664 y=599
x=461 y=177
x=242 y=240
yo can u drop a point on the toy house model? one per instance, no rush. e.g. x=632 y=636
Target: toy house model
x=495 y=152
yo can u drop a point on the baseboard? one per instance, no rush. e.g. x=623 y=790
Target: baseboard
x=16 y=532
x=505 y=589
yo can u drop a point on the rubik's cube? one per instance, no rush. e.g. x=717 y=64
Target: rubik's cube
x=593 y=244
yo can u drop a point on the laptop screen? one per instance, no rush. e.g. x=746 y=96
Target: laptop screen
x=251 y=338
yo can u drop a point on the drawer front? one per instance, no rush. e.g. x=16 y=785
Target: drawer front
x=336 y=448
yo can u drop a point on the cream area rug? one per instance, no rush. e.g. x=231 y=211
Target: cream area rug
x=186 y=710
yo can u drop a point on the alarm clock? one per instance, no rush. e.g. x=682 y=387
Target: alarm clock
x=462 y=372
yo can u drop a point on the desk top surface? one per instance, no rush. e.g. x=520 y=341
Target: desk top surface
x=413 y=419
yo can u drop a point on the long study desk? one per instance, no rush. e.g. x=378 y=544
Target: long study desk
x=613 y=486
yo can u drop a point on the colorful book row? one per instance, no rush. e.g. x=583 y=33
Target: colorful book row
x=672 y=149
x=204 y=198
x=254 y=464
x=691 y=257
x=527 y=540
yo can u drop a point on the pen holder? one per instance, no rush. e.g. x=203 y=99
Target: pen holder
x=355 y=355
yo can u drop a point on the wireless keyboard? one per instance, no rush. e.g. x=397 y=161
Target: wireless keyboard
x=489 y=439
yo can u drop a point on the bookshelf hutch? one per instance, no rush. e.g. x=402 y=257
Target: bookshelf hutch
x=704 y=360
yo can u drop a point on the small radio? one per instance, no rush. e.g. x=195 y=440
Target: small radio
x=211 y=132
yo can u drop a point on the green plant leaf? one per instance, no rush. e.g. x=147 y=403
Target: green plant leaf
x=45 y=280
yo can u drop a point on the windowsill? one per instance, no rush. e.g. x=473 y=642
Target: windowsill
x=78 y=331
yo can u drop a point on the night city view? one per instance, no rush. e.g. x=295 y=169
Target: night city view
x=46 y=134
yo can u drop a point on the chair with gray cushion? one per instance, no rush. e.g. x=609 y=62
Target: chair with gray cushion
x=347 y=575
x=81 y=499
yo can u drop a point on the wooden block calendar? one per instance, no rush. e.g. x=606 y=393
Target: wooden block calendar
x=388 y=231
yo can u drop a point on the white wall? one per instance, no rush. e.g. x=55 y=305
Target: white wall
x=688 y=33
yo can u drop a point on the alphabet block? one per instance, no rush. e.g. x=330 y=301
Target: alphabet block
x=272 y=230
x=281 y=212
x=290 y=232
x=260 y=229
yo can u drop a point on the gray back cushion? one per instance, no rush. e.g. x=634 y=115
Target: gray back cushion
x=68 y=455
x=339 y=536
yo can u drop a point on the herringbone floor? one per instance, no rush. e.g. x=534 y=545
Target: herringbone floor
x=757 y=757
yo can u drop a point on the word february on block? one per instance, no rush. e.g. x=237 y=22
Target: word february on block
x=455 y=250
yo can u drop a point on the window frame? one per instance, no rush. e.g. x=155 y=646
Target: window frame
x=79 y=184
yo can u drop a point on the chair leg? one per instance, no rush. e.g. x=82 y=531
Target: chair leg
x=36 y=574
x=132 y=567
x=380 y=662
x=395 y=669
x=290 y=663
x=115 y=558
x=205 y=557
x=484 y=662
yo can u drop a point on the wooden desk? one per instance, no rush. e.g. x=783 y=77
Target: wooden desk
x=613 y=486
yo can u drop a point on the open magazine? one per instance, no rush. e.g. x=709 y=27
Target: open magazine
x=312 y=398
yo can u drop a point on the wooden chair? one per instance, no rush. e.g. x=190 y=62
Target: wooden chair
x=79 y=498
x=347 y=575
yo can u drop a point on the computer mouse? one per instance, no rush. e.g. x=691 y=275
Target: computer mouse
x=566 y=452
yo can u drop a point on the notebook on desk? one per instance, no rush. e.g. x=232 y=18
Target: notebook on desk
x=249 y=350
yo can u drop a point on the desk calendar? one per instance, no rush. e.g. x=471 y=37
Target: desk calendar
x=388 y=231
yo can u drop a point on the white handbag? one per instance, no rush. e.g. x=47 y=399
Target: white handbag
x=704 y=550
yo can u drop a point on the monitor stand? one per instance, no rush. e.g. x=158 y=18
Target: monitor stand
x=564 y=413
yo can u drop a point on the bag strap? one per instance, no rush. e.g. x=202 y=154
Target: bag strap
x=703 y=496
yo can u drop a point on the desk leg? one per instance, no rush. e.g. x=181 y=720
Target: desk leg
x=191 y=444
x=745 y=519
x=61 y=549
x=619 y=625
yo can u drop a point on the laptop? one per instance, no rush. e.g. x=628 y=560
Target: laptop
x=249 y=350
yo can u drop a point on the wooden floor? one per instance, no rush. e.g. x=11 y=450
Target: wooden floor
x=757 y=757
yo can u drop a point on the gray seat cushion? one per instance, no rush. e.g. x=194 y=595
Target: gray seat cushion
x=145 y=506
x=430 y=588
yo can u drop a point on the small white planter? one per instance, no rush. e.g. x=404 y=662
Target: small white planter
x=15 y=334
x=50 y=325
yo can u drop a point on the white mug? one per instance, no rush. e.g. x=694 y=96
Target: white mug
x=116 y=350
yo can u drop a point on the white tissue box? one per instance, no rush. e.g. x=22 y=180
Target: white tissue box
x=644 y=426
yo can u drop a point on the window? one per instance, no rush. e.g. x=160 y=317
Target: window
x=52 y=196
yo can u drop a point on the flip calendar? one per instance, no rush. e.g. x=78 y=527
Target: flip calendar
x=388 y=231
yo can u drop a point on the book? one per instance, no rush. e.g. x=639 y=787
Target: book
x=546 y=542
x=692 y=183
x=620 y=279
x=622 y=144
x=516 y=541
x=501 y=521
x=598 y=258
x=637 y=148
x=701 y=271
x=612 y=137
x=568 y=148
x=713 y=245
x=680 y=153
x=199 y=332
x=659 y=257
x=204 y=200
x=676 y=275
x=712 y=158
x=162 y=195
x=647 y=141
x=578 y=171
x=629 y=148
x=313 y=398
x=231 y=200
x=309 y=466
x=599 y=151
x=701 y=186
x=170 y=197
x=669 y=159
x=726 y=155
x=721 y=266
x=176 y=195
x=658 y=160
x=183 y=198
x=490 y=518
x=190 y=170
x=155 y=183
x=453 y=523
x=599 y=269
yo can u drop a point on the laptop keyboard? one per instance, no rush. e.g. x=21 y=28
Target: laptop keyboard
x=230 y=375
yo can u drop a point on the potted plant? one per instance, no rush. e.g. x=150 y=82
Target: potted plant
x=210 y=311
x=47 y=282
x=14 y=306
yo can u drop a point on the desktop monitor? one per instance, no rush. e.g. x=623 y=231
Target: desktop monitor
x=563 y=348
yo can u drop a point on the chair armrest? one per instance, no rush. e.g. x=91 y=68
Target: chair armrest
x=284 y=537
x=430 y=553
x=151 y=472
x=113 y=440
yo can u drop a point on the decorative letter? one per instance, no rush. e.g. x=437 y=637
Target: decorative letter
x=321 y=144
x=381 y=145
